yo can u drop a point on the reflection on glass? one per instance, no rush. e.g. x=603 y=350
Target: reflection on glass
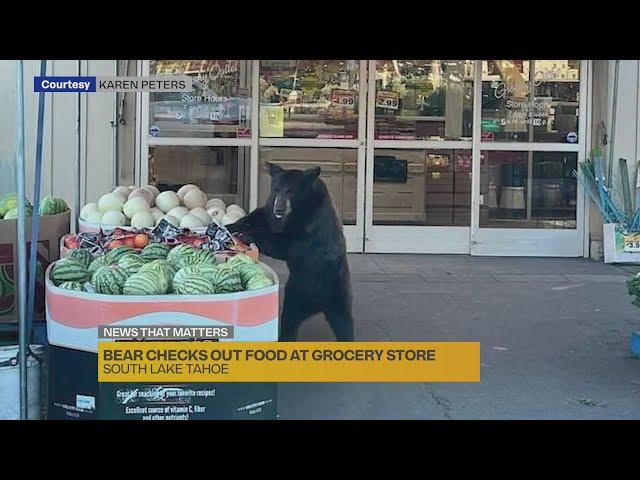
x=218 y=105
x=528 y=189
x=530 y=100
x=309 y=98
x=424 y=99
x=422 y=187
x=220 y=172
x=339 y=171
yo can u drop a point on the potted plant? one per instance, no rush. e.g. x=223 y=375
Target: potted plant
x=633 y=286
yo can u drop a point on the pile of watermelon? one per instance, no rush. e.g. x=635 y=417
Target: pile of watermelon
x=158 y=269
x=48 y=206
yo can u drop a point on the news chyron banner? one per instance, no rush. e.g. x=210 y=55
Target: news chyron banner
x=207 y=361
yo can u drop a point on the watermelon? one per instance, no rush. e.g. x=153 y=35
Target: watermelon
x=109 y=280
x=53 y=206
x=147 y=283
x=202 y=257
x=13 y=213
x=155 y=251
x=9 y=202
x=68 y=270
x=131 y=263
x=207 y=270
x=99 y=261
x=240 y=259
x=226 y=280
x=77 y=286
x=114 y=255
x=259 y=281
x=183 y=273
x=193 y=283
x=248 y=271
x=82 y=255
x=163 y=267
x=181 y=256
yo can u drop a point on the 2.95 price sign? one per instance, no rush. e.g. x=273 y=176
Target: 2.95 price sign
x=343 y=98
x=632 y=243
x=388 y=100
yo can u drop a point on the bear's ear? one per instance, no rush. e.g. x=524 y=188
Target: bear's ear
x=274 y=169
x=312 y=173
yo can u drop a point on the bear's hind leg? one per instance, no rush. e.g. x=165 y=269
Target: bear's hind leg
x=341 y=322
x=294 y=313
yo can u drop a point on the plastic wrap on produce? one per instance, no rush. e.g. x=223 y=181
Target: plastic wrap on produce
x=165 y=232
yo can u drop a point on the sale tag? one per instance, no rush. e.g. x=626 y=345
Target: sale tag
x=388 y=100
x=343 y=98
x=632 y=243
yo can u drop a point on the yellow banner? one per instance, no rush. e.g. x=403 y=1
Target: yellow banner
x=289 y=362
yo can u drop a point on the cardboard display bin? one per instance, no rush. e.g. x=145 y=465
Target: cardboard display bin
x=73 y=319
x=52 y=229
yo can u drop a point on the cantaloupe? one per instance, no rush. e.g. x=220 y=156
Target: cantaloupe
x=167 y=200
x=194 y=198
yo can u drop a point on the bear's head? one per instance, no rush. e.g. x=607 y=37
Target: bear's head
x=291 y=191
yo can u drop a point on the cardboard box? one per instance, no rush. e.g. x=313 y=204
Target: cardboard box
x=52 y=229
x=79 y=396
x=620 y=247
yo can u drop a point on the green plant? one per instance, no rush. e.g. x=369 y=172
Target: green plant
x=633 y=287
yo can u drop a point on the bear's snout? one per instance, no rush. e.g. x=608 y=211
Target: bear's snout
x=281 y=206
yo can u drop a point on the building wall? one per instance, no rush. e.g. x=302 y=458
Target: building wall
x=85 y=154
x=626 y=137
x=79 y=139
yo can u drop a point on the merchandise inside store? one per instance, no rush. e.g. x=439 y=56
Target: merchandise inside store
x=419 y=151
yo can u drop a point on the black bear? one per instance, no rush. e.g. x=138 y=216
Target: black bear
x=299 y=224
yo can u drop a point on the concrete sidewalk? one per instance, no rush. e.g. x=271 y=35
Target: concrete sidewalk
x=554 y=333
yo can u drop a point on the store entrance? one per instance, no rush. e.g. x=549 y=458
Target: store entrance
x=475 y=157
x=420 y=156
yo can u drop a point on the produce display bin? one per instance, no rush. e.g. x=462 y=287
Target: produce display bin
x=73 y=319
x=52 y=229
x=620 y=247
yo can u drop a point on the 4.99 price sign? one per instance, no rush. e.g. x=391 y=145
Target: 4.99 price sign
x=343 y=98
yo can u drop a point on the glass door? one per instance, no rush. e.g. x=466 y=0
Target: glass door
x=419 y=156
x=529 y=134
x=203 y=137
x=312 y=114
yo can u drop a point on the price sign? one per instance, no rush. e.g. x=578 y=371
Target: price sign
x=632 y=243
x=343 y=98
x=388 y=100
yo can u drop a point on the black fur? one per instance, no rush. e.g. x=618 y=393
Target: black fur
x=310 y=239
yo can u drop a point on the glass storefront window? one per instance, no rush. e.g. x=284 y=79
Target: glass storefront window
x=339 y=170
x=219 y=105
x=422 y=187
x=530 y=100
x=528 y=189
x=424 y=99
x=309 y=98
x=220 y=172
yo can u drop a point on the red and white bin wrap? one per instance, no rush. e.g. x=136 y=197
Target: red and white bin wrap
x=73 y=317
